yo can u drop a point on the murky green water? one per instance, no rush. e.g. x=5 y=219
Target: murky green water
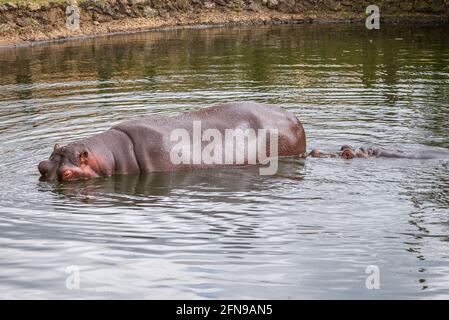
x=308 y=232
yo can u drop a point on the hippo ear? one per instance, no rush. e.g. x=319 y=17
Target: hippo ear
x=83 y=157
x=56 y=147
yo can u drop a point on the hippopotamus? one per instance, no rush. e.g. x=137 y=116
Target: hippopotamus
x=347 y=152
x=145 y=145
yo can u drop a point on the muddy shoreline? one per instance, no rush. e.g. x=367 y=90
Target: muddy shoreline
x=23 y=23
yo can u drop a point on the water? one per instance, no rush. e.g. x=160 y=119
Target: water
x=310 y=231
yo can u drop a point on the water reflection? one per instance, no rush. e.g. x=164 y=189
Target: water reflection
x=211 y=185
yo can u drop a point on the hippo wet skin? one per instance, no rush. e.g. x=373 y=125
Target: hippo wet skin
x=144 y=145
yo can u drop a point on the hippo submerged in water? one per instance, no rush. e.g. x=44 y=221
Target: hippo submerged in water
x=347 y=152
x=147 y=145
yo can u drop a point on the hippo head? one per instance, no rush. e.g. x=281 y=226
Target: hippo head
x=347 y=152
x=66 y=163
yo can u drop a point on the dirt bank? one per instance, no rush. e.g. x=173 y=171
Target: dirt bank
x=24 y=22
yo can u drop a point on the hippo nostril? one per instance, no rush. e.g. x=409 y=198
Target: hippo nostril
x=67 y=175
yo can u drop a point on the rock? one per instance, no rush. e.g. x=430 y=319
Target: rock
x=53 y=4
x=253 y=6
x=42 y=19
x=92 y=8
x=33 y=6
x=122 y=2
x=286 y=6
x=11 y=5
x=334 y=5
x=123 y=8
x=276 y=21
x=170 y=7
x=272 y=4
x=54 y=16
x=22 y=22
x=181 y=5
x=236 y=5
x=106 y=9
x=136 y=2
x=100 y=17
x=209 y=5
x=163 y=13
x=221 y=3
x=149 y=12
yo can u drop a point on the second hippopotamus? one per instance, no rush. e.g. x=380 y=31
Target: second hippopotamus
x=347 y=152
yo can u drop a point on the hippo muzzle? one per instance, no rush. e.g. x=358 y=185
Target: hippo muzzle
x=48 y=170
